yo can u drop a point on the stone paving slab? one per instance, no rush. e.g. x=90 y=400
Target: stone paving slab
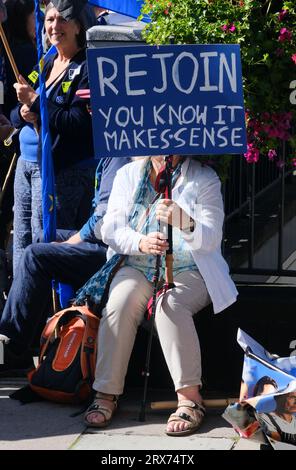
x=36 y=426
x=106 y=441
x=126 y=422
x=246 y=444
x=49 y=426
x=126 y=432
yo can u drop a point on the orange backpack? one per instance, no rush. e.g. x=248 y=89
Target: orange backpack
x=66 y=365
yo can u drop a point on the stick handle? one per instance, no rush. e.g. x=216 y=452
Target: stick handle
x=212 y=403
x=169 y=262
x=9 y=53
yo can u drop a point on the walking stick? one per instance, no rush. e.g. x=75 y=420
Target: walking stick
x=162 y=185
x=146 y=372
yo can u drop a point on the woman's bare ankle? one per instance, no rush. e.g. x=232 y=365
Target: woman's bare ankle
x=190 y=393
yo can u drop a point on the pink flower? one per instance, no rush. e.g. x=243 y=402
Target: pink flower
x=252 y=155
x=282 y=14
x=294 y=162
x=293 y=57
x=228 y=28
x=285 y=35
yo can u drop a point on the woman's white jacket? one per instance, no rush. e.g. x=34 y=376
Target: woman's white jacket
x=198 y=192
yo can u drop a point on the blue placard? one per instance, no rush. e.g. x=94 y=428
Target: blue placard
x=149 y=100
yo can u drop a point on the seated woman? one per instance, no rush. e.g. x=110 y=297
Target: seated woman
x=200 y=275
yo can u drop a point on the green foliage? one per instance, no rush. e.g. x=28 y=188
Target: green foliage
x=266 y=32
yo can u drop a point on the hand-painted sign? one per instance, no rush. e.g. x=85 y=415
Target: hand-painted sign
x=149 y=100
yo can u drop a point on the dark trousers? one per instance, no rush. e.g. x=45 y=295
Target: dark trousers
x=29 y=299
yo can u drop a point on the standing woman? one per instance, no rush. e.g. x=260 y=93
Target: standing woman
x=201 y=275
x=70 y=128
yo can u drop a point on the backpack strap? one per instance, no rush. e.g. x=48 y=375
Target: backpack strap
x=48 y=332
x=50 y=329
x=89 y=347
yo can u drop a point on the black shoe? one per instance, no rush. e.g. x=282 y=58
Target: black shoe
x=16 y=365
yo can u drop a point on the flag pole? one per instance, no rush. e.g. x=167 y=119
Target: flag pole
x=9 y=53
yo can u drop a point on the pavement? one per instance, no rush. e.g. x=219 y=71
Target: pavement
x=49 y=426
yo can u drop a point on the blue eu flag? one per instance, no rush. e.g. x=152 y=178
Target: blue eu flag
x=48 y=190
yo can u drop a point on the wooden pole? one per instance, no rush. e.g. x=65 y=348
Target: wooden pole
x=9 y=53
x=8 y=175
x=169 y=263
x=211 y=403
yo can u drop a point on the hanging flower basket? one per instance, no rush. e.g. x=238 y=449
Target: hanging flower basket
x=266 y=32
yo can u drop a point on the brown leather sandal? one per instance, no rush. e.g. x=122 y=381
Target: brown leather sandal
x=103 y=409
x=193 y=418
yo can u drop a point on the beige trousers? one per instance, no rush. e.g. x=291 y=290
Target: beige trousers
x=125 y=309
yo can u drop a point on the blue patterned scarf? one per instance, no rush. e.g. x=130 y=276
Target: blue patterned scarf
x=95 y=291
